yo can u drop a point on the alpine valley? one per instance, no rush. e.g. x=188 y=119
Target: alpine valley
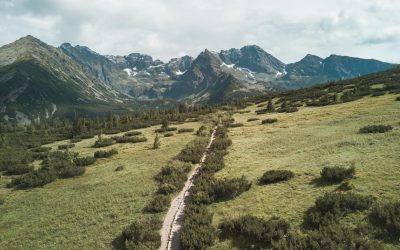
x=39 y=81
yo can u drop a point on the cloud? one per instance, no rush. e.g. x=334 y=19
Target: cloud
x=164 y=29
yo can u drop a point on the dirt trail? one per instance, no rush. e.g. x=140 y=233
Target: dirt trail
x=170 y=231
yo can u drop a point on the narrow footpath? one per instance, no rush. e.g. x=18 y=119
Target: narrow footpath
x=171 y=229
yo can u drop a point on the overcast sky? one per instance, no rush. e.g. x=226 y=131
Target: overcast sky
x=169 y=28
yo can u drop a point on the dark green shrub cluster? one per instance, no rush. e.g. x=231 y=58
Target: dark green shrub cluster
x=173 y=174
x=36 y=178
x=103 y=142
x=345 y=186
x=185 y=130
x=143 y=234
x=202 y=131
x=119 y=168
x=70 y=170
x=332 y=206
x=329 y=237
x=168 y=134
x=235 y=125
x=166 y=189
x=17 y=169
x=128 y=139
x=105 y=153
x=252 y=119
x=41 y=149
x=375 y=129
x=386 y=219
x=168 y=129
x=269 y=121
x=84 y=161
x=197 y=231
x=66 y=146
x=253 y=230
x=275 y=176
x=193 y=151
x=337 y=174
x=378 y=93
x=398 y=98
x=133 y=133
x=159 y=203
x=214 y=161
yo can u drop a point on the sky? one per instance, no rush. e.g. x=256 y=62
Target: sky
x=287 y=29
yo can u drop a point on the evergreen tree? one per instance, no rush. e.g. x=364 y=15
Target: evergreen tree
x=165 y=123
x=270 y=106
x=157 y=142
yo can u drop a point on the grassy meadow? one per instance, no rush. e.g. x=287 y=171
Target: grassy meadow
x=90 y=211
x=305 y=142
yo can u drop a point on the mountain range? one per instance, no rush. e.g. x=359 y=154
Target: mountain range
x=38 y=81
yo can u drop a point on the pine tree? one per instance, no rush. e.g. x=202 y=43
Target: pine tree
x=165 y=123
x=157 y=142
x=270 y=106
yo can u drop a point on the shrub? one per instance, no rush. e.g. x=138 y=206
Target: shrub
x=71 y=171
x=375 y=129
x=84 y=161
x=269 y=121
x=133 y=133
x=103 y=142
x=156 y=142
x=378 y=93
x=18 y=169
x=143 y=234
x=202 y=131
x=127 y=139
x=168 y=134
x=174 y=173
x=41 y=149
x=169 y=129
x=197 y=231
x=398 y=98
x=214 y=161
x=185 y=130
x=386 y=219
x=337 y=174
x=36 y=178
x=166 y=189
x=221 y=144
x=254 y=230
x=252 y=119
x=275 y=176
x=345 y=186
x=332 y=206
x=105 y=154
x=235 y=125
x=66 y=146
x=159 y=203
x=193 y=151
x=119 y=168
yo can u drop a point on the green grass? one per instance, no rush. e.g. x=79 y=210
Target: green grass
x=90 y=211
x=304 y=142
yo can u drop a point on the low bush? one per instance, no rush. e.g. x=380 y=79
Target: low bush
x=119 y=168
x=378 y=93
x=185 y=130
x=235 y=125
x=202 y=131
x=398 y=98
x=41 y=149
x=193 y=151
x=253 y=230
x=214 y=161
x=66 y=146
x=36 y=178
x=84 y=161
x=337 y=174
x=174 y=174
x=159 y=203
x=105 y=153
x=386 y=219
x=345 y=186
x=103 y=142
x=133 y=139
x=252 y=119
x=168 y=129
x=166 y=189
x=143 y=234
x=269 y=121
x=197 y=231
x=71 y=171
x=18 y=169
x=168 y=134
x=133 y=133
x=375 y=129
x=275 y=176
x=221 y=144
x=332 y=206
